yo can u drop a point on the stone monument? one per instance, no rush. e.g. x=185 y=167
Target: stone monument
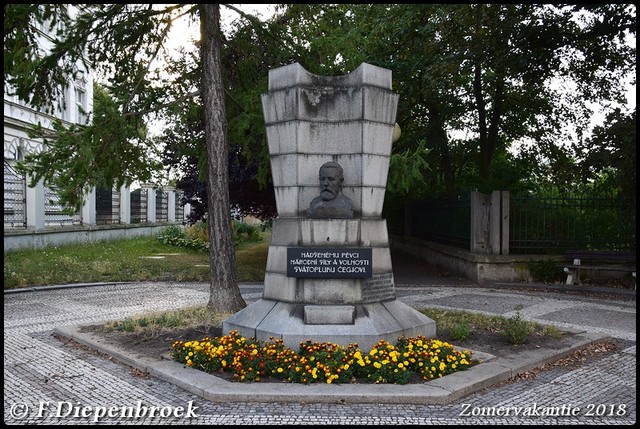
x=329 y=276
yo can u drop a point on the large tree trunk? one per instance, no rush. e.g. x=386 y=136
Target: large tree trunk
x=438 y=136
x=224 y=294
x=488 y=140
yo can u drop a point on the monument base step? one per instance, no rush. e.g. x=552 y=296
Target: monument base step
x=389 y=320
x=329 y=314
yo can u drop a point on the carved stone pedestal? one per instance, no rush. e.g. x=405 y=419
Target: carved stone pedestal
x=329 y=280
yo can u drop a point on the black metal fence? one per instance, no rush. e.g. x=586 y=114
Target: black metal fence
x=107 y=206
x=551 y=224
x=162 y=206
x=540 y=224
x=138 y=206
x=446 y=222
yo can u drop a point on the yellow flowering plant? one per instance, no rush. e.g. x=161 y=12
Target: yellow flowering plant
x=252 y=360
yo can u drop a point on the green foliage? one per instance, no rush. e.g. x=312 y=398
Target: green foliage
x=174 y=235
x=482 y=70
x=197 y=231
x=111 y=151
x=460 y=331
x=129 y=260
x=407 y=172
x=545 y=271
x=150 y=325
x=244 y=232
x=196 y=236
x=38 y=80
x=516 y=330
x=608 y=158
x=113 y=41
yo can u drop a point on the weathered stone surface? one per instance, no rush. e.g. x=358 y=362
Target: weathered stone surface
x=329 y=314
x=312 y=120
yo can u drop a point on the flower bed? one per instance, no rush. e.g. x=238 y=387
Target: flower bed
x=254 y=360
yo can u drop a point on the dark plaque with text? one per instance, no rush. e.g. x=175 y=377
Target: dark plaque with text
x=326 y=262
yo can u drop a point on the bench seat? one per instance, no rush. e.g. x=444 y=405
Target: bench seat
x=593 y=261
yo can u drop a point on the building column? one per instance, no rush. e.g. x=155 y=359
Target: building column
x=171 y=204
x=35 y=206
x=125 y=205
x=151 y=203
x=88 y=212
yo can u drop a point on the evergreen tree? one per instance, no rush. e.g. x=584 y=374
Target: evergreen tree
x=122 y=44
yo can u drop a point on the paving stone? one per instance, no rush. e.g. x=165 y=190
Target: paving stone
x=42 y=373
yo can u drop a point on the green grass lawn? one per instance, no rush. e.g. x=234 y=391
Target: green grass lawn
x=127 y=260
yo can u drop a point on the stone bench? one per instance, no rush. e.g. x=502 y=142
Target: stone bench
x=593 y=260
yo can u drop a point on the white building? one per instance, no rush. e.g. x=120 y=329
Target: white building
x=32 y=215
x=75 y=107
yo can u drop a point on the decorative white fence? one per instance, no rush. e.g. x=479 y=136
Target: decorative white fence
x=34 y=218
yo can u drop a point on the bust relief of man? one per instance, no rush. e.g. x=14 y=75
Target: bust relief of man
x=332 y=203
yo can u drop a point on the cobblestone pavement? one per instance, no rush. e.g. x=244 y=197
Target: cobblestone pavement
x=49 y=382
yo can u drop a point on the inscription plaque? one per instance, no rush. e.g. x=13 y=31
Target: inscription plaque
x=326 y=262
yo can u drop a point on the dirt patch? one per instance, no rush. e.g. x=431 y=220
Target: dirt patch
x=158 y=344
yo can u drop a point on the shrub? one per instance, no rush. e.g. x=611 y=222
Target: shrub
x=460 y=332
x=244 y=232
x=196 y=236
x=516 y=330
x=174 y=235
x=198 y=231
x=545 y=271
